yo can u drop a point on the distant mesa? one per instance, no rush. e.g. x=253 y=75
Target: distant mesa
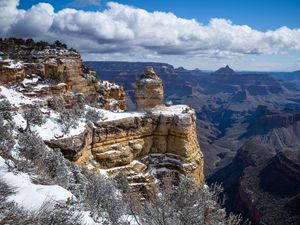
x=225 y=70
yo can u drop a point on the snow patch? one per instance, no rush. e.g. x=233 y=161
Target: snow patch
x=28 y=195
x=14 y=97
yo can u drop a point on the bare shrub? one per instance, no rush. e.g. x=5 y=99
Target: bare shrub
x=5 y=109
x=7 y=141
x=55 y=103
x=182 y=204
x=103 y=200
x=33 y=116
x=68 y=119
x=93 y=116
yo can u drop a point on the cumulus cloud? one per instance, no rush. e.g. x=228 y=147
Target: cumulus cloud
x=124 y=29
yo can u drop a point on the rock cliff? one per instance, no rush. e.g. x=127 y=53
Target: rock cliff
x=57 y=67
x=143 y=145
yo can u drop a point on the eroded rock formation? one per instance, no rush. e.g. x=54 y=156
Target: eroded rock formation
x=149 y=90
x=143 y=147
x=61 y=73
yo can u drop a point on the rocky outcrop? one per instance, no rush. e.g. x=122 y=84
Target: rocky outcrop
x=143 y=147
x=61 y=74
x=112 y=96
x=149 y=90
x=10 y=74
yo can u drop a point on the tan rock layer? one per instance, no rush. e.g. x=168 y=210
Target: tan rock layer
x=141 y=147
x=69 y=69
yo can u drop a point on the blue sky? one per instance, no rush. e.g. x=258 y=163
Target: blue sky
x=247 y=34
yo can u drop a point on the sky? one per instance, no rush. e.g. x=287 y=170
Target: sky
x=206 y=34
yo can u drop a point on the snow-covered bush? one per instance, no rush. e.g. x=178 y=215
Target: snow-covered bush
x=33 y=116
x=7 y=140
x=80 y=102
x=68 y=119
x=55 y=102
x=103 y=200
x=5 y=109
x=180 y=204
x=93 y=116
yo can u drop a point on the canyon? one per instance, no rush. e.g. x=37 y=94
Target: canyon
x=248 y=129
x=144 y=145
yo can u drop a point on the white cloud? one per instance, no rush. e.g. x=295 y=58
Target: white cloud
x=298 y=61
x=124 y=29
x=34 y=22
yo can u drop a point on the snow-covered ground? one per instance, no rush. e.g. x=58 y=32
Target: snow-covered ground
x=51 y=128
x=28 y=195
x=14 y=97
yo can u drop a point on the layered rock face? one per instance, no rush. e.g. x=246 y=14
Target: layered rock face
x=63 y=68
x=165 y=142
x=10 y=74
x=143 y=147
x=149 y=90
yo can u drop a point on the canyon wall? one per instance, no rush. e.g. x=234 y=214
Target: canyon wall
x=61 y=73
x=143 y=147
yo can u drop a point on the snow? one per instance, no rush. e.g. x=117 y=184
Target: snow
x=14 y=65
x=110 y=115
x=33 y=80
x=108 y=85
x=14 y=97
x=87 y=219
x=149 y=80
x=173 y=110
x=39 y=87
x=51 y=128
x=28 y=195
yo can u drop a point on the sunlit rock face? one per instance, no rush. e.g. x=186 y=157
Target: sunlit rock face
x=145 y=146
x=58 y=72
x=149 y=90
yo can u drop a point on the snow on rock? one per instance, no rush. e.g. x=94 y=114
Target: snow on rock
x=51 y=128
x=179 y=110
x=108 y=85
x=14 y=65
x=28 y=195
x=27 y=81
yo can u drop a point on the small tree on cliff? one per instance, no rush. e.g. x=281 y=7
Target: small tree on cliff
x=7 y=141
x=33 y=116
x=68 y=119
x=93 y=116
x=5 y=109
